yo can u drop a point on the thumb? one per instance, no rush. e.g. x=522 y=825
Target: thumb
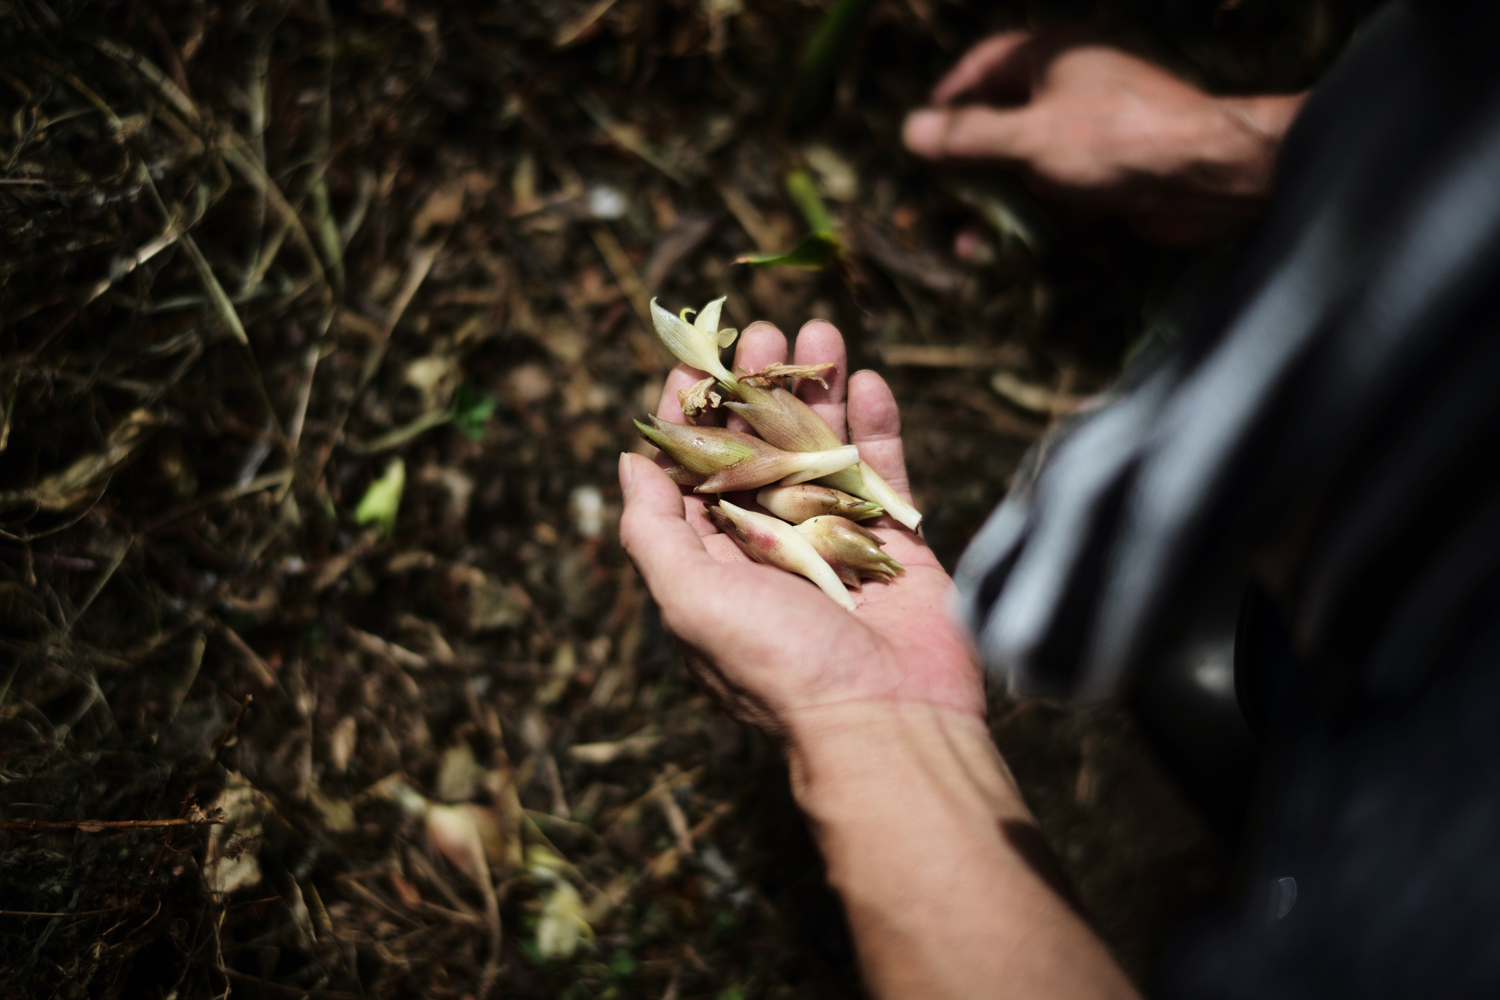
x=666 y=550
x=972 y=132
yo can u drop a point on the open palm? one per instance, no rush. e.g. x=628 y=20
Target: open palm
x=770 y=644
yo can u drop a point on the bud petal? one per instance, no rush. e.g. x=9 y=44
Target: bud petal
x=807 y=500
x=853 y=552
x=707 y=321
x=694 y=346
x=776 y=543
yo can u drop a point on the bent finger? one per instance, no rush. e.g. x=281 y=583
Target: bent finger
x=819 y=342
x=993 y=64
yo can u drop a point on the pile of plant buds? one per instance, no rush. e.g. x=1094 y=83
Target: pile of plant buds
x=813 y=487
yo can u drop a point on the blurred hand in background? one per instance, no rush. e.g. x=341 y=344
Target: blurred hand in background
x=1101 y=130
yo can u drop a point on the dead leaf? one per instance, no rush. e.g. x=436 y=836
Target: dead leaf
x=563 y=925
x=442 y=208
x=75 y=484
x=230 y=860
x=459 y=774
x=496 y=605
x=405 y=891
x=632 y=747
x=341 y=743
x=1034 y=397
x=529 y=383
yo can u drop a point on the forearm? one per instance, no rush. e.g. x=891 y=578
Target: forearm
x=937 y=859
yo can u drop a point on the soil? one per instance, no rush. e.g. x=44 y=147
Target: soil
x=257 y=739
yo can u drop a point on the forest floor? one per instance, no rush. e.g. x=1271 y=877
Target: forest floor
x=253 y=743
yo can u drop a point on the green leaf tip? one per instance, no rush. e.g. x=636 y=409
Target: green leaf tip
x=383 y=499
x=815 y=252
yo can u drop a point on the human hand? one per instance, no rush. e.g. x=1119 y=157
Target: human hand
x=924 y=832
x=777 y=651
x=1098 y=128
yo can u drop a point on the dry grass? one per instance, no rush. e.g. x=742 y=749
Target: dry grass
x=253 y=252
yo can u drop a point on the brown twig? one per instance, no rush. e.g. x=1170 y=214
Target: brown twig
x=76 y=913
x=100 y=825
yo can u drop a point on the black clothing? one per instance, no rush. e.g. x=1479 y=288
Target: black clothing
x=1336 y=424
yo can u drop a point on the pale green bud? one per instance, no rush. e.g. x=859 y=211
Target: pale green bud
x=863 y=481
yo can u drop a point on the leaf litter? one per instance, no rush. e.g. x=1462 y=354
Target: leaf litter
x=323 y=323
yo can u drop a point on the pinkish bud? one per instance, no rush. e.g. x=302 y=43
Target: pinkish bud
x=853 y=552
x=787 y=422
x=781 y=418
x=776 y=543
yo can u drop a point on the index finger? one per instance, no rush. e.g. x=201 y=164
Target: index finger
x=992 y=66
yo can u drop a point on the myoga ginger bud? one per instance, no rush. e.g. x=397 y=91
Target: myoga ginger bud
x=808 y=500
x=853 y=552
x=781 y=418
x=723 y=460
x=863 y=481
x=776 y=543
x=787 y=422
x=777 y=415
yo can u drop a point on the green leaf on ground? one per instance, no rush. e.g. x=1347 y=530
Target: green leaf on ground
x=815 y=252
x=804 y=194
x=383 y=499
x=472 y=410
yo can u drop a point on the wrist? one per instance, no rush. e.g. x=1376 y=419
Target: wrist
x=1257 y=126
x=854 y=759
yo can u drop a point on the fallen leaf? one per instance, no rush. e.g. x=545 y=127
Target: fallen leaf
x=496 y=605
x=383 y=499
x=562 y=926
x=442 y=208
x=230 y=861
x=75 y=484
x=458 y=775
x=634 y=746
x=341 y=743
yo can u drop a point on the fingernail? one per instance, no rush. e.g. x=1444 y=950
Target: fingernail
x=626 y=472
